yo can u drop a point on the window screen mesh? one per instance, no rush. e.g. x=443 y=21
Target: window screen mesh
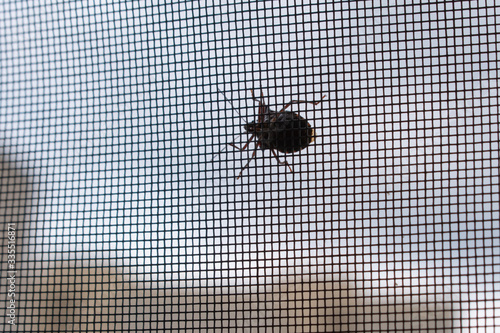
x=122 y=204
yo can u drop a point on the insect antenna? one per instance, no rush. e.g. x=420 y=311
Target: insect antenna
x=230 y=103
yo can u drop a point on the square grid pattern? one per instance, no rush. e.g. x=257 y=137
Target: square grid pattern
x=127 y=207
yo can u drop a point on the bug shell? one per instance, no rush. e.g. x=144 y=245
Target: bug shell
x=284 y=131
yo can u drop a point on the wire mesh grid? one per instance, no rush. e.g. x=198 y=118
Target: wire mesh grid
x=126 y=209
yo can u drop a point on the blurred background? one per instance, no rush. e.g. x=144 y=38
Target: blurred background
x=118 y=182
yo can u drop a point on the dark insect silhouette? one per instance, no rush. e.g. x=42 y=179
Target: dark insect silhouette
x=282 y=131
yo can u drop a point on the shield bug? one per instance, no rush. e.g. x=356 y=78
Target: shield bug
x=283 y=131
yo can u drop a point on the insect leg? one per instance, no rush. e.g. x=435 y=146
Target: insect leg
x=223 y=149
x=280 y=162
x=245 y=146
x=300 y=101
x=248 y=163
x=255 y=98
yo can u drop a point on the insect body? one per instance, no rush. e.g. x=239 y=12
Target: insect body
x=282 y=131
x=285 y=131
